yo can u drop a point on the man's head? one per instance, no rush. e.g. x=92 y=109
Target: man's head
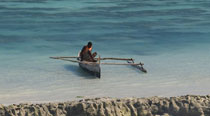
x=89 y=45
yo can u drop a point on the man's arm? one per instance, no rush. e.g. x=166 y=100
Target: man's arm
x=92 y=58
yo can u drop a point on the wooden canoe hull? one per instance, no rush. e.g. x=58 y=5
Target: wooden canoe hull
x=93 y=68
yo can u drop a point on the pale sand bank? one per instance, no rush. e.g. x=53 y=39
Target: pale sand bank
x=189 y=105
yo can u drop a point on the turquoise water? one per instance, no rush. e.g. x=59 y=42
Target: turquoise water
x=170 y=37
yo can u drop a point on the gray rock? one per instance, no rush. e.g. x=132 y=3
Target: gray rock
x=189 y=105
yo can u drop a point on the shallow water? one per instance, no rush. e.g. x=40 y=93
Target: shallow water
x=170 y=37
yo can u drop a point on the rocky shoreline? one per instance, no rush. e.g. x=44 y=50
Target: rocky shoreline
x=189 y=105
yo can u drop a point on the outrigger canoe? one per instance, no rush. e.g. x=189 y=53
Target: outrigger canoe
x=94 y=67
x=91 y=67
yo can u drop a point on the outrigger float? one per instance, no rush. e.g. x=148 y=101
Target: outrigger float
x=94 y=67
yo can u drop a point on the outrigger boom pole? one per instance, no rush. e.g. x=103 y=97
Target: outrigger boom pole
x=85 y=62
x=129 y=60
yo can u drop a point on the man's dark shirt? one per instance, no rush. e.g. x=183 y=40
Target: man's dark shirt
x=86 y=55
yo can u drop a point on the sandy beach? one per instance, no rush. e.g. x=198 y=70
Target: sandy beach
x=189 y=105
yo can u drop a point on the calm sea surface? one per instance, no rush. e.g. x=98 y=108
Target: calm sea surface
x=172 y=39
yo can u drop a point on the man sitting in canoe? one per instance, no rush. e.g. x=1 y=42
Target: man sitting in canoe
x=86 y=54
